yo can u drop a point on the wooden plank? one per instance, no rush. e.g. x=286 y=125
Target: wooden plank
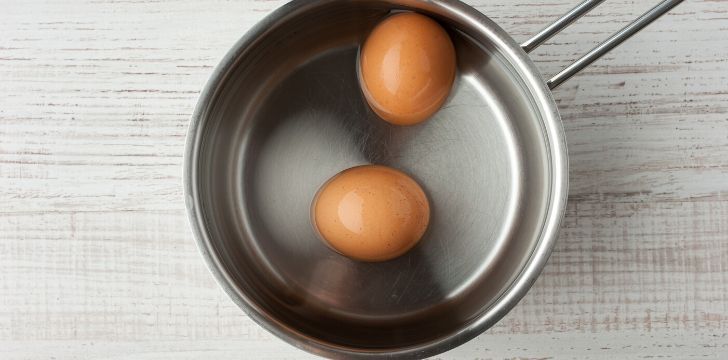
x=98 y=262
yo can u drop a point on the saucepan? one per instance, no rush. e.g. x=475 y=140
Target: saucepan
x=283 y=112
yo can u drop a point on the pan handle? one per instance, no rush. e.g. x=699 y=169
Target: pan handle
x=601 y=49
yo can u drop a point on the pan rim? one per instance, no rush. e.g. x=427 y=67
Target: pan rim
x=553 y=134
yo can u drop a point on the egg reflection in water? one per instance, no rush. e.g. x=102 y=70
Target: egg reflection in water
x=371 y=213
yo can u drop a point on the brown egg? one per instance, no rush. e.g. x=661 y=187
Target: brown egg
x=406 y=68
x=371 y=213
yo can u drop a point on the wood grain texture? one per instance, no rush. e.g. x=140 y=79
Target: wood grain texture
x=97 y=260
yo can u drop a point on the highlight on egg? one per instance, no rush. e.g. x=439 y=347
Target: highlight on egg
x=407 y=67
x=371 y=213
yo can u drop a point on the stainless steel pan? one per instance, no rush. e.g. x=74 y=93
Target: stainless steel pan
x=283 y=112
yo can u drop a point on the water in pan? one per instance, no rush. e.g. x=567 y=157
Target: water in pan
x=293 y=115
x=459 y=157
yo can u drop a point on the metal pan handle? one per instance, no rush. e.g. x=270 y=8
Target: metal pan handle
x=601 y=49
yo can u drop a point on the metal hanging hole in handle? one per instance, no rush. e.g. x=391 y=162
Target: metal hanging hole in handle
x=601 y=49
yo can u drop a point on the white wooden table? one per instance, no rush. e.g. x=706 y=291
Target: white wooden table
x=97 y=261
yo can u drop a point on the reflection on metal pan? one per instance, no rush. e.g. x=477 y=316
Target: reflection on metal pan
x=283 y=112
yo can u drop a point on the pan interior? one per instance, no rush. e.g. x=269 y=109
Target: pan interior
x=290 y=115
